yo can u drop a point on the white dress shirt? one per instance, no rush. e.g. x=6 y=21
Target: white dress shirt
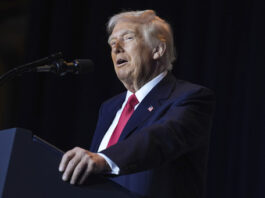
x=140 y=95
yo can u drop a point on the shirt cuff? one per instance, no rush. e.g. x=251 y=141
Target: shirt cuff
x=114 y=168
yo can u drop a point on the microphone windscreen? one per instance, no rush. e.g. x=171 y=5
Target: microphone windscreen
x=84 y=65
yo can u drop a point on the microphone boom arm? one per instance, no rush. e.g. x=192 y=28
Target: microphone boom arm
x=53 y=63
x=27 y=67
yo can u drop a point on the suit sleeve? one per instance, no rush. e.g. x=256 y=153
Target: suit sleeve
x=183 y=126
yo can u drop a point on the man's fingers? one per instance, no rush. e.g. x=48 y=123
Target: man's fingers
x=79 y=169
x=77 y=164
x=65 y=160
x=86 y=173
x=70 y=167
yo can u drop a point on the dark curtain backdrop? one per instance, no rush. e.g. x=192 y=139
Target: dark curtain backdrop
x=221 y=46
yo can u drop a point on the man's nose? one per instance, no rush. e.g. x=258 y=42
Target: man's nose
x=118 y=48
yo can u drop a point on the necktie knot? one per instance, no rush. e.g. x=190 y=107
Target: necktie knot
x=132 y=101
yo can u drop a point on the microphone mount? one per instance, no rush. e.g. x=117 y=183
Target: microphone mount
x=62 y=67
x=53 y=63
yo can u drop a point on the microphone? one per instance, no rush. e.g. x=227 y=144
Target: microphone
x=61 y=67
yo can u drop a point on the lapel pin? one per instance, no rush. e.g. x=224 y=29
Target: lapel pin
x=150 y=108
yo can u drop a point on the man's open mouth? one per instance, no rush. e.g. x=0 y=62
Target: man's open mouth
x=121 y=62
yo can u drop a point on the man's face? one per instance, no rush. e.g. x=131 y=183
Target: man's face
x=131 y=55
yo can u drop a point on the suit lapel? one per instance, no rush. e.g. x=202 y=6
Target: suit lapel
x=110 y=112
x=149 y=105
x=107 y=116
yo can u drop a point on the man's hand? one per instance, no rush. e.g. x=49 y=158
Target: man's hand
x=77 y=164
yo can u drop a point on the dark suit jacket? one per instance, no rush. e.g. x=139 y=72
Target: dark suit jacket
x=163 y=152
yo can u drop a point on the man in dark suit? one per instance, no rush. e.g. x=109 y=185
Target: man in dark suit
x=153 y=138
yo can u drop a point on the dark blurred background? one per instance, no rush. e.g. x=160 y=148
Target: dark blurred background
x=221 y=46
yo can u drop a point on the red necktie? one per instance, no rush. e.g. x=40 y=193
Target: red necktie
x=125 y=116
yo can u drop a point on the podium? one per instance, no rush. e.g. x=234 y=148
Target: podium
x=29 y=168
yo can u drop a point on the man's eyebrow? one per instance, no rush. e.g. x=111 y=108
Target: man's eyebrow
x=122 y=34
x=127 y=32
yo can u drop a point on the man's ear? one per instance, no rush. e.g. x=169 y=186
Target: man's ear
x=159 y=51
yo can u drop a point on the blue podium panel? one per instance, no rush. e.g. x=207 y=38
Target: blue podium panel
x=6 y=143
x=29 y=168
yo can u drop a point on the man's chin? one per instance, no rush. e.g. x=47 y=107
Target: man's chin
x=123 y=77
x=122 y=72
